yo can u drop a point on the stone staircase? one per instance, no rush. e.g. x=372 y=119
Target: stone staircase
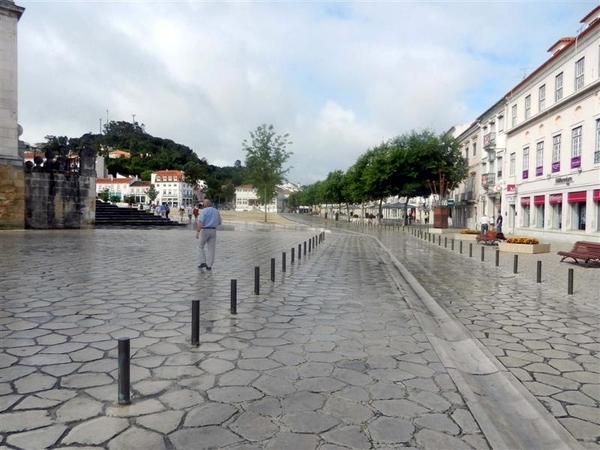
x=111 y=216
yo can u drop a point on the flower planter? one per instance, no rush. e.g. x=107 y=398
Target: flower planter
x=466 y=237
x=524 y=248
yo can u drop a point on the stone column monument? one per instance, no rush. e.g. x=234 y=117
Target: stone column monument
x=12 y=188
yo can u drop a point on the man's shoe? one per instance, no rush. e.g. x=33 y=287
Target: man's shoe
x=208 y=268
x=202 y=266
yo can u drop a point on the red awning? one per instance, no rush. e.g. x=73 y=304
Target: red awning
x=555 y=198
x=525 y=201
x=596 y=196
x=576 y=197
x=539 y=200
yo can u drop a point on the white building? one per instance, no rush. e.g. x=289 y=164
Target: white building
x=173 y=190
x=246 y=199
x=541 y=166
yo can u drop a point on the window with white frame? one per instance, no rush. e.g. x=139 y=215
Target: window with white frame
x=542 y=98
x=597 y=150
x=558 y=87
x=579 y=68
x=556 y=142
x=500 y=123
x=499 y=167
x=514 y=115
x=527 y=107
x=525 y=172
x=474 y=148
x=539 y=159
x=576 y=141
x=512 y=164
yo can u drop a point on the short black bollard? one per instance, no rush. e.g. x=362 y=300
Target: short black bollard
x=299 y=252
x=539 y=272
x=515 y=263
x=439 y=240
x=233 y=304
x=460 y=247
x=257 y=280
x=283 y=262
x=123 y=377
x=305 y=248
x=470 y=249
x=570 y=282
x=292 y=256
x=309 y=244
x=497 y=257
x=446 y=242
x=195 y=323
x=483 y=253
x=272 y=269
x=452 y=244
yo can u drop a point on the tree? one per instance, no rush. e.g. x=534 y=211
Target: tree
x=152 y=193
x=266 y=155
x=104 y=195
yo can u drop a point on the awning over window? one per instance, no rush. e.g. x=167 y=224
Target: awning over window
x=576 y=197
x=555 y=199
x=539 y=200
x=525 y=201
x=596 y=196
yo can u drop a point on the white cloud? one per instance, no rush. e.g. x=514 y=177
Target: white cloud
x=339 y=77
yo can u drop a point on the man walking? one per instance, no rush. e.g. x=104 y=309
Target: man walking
x=484 y=224
x=206 y=231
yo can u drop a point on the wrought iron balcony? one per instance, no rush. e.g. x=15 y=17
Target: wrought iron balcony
x=470 y=196
x=489 y=140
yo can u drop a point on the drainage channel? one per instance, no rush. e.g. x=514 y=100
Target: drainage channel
x=509 y=415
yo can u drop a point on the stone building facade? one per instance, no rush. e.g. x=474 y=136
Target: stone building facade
x=12 y=185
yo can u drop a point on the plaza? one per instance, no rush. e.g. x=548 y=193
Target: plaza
x=374 y=339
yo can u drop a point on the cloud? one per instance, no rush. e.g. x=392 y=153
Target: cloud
x=339 y=77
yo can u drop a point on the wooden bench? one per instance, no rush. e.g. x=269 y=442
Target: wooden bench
x=585 y=250
x=491 y=237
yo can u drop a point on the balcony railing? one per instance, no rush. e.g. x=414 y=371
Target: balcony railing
x=488 y=179
x=470 y=196
x=489 y=140
x=463 y=196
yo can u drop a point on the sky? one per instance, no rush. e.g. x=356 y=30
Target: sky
x=338 y=77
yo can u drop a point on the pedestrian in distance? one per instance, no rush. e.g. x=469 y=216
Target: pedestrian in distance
x=206 y=232
x=181 y=213
x=196 y=213
x=484 y=224
x=499 y=221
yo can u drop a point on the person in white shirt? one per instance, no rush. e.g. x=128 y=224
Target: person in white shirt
x=484 y=224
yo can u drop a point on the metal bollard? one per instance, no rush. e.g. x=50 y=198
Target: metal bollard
x=446 y=242
x=497 y=257
x=570 y=282
x=195 y=323
x=460 y=247
x=515 y=263
x=123 y=377
x=439 y=240
x=292 y=256
x=470 y=249
x=257 y=280
x=483 y=253
x=304 y=248
x=272 y=269
x=453 y=244
x=299 y=252
x=539 y=272
x=283 y=262
x=233 y=303
x=309 y=244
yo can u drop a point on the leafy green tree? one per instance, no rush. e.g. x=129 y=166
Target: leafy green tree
x=152 y=193
x=266 y=155
x=104 y=195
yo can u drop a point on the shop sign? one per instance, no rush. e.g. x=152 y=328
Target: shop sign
x=555 y=199
x=511 y=188
x=559 y=180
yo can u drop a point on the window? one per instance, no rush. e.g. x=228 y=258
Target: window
x=527 y=107
x=539 y=159
x=542 y=98
x=499 y=167
x=526 y=163
x=500 y=123
x=514 y=115
x=597 y=151
x=558 y=87
x=513 y=164
x=474 y=148
x=576 y=140
x=556 y=153
x=579 y=66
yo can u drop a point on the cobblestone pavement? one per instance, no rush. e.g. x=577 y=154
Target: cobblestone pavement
x=549 y=340
x=329 y=356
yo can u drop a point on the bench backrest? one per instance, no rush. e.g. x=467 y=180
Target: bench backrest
x=586 y=247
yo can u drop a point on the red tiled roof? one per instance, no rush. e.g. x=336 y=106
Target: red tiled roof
x=140 y=183
x=169 y=173
x=113 y=180
x=590 y=14
x=560 y=41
